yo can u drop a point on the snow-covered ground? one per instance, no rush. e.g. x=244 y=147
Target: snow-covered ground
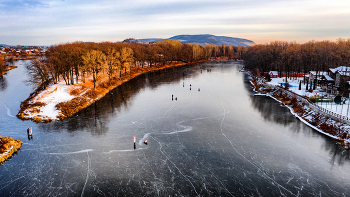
x=51 y=97
x=339 y=109
x=294 y=87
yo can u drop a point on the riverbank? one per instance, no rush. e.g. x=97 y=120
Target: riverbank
x=301 y=109
x=8 y=147
x=61 y=101
x=6 y=69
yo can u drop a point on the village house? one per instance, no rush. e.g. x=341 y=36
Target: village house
x=312 y=75
x=340 y=73
x=324 y=80
x=273 y=74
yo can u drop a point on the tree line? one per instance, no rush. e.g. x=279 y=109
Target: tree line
x=74 y=61
x=2 y=64
x=290 y=57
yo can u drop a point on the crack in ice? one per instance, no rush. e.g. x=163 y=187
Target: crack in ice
x=167 y=157
x=87 y=174
x=253 y=164
x=76 y=152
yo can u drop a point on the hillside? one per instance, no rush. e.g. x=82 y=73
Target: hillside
x=206 y=39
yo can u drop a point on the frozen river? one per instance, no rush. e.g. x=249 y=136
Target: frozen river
x=219 y=141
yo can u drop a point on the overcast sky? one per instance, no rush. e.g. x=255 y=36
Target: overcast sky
x=47 y=22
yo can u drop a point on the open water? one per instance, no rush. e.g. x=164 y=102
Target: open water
x=219 y=141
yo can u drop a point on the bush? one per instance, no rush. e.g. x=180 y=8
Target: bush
x=71 y=107
x=76 y=91
x=91 y=94
x=312 y=99
x=6 y=144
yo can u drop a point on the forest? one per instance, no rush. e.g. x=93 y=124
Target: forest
x=291 y=57
x=74 y=61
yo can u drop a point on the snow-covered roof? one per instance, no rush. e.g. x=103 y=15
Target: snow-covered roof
x=328 y=78
x=274 y=72
x=319 y=73
x=343 y=70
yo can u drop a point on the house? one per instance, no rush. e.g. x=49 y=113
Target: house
x=273 y=74
x=339 y=73
x=324 y=80
x=312 y=75
x=327 y=83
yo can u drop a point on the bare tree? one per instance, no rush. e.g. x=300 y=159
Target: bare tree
x=39 y=74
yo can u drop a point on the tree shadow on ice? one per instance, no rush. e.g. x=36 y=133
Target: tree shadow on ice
x=272 y=111
x=3 y=83
x=95 y=117
x=338 y=154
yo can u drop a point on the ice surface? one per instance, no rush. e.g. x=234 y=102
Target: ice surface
x=221 y=141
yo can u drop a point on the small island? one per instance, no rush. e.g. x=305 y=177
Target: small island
x=73 y=76
x=8 y=147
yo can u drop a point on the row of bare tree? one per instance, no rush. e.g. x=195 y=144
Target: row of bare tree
x=73 y=60
x=291 y=57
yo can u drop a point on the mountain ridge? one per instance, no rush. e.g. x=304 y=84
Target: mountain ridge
x=206 y=39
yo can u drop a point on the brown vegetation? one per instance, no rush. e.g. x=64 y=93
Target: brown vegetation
x=3 y=67
x=8 y=147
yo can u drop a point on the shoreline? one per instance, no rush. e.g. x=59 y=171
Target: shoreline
x=336 y=130
x=9 y=147
x=7 y=68
x=80 y=96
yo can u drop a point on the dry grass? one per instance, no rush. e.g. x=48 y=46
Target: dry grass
x=10 y=146
x=76 y=91
x=297 y=106
x=71 y=107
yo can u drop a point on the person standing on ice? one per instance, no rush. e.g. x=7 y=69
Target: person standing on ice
x=134 y=142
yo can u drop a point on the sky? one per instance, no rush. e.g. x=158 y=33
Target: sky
x=49 y=22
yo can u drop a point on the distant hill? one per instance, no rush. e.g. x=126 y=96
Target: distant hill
x=151 y=39
x=5 y=45
x=206 y=39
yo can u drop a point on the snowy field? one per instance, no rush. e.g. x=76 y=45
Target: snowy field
x=294 y=87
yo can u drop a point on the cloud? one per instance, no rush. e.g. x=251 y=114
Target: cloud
x=116 y=20
x=21 y=4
